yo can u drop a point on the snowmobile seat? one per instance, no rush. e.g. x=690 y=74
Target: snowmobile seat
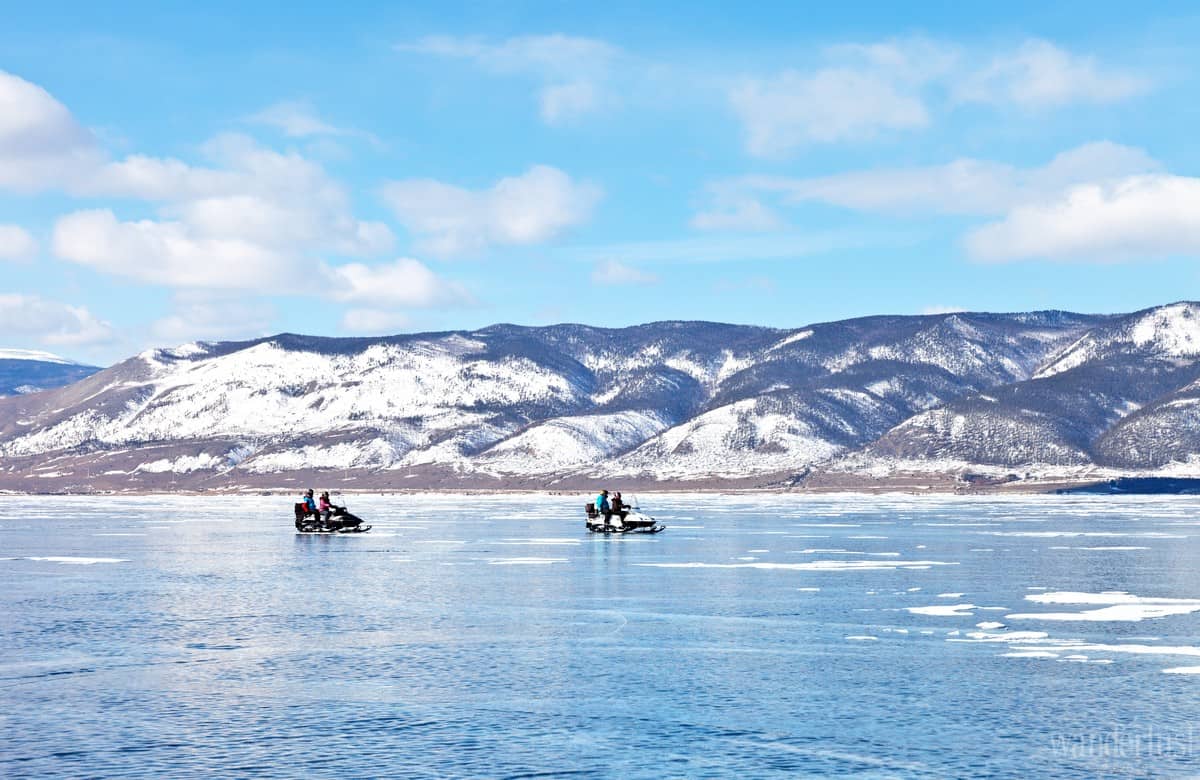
x=590 y=510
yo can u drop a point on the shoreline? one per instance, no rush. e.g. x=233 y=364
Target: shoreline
x=909 y=485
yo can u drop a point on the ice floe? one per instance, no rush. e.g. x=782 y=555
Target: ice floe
x=1030 y=654
x=1112 y=606
x=76 y=561
x=808 y=566
x=943 y=610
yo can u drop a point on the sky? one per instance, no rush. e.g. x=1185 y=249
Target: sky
x=180 y=172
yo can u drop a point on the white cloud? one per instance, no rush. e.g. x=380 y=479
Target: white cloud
x=16 y=243
x=296 y=119
x=537 y=206
x=613 y=273
x=735 y=207
x=1039 y=74
x=374 y=321
x=299 y=119
x=403 y=282
x=863 y=91
x=163 y=252
x=255 y=216
x=1138 y=217
x=549 y=55
x=731 y=248
x=168 y=253
x=202 y=317
x=965 y=186
x=41 y=144
x=835 y=104
x=572 y=70
x=252 y=222
x=942 y=309
x=1098 y=202
x=51 y=322
x=563 y=103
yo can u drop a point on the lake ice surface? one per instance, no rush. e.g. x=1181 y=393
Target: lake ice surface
x=493 y=637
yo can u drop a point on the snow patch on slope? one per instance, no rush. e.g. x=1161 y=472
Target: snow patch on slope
x=1171 y=332
x=571 y=441
x=34 y=355
x=732 y=439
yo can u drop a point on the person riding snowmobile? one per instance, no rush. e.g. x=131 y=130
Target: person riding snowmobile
x=603 y=507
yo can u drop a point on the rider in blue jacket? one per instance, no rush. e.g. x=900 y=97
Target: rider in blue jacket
x=603 y=507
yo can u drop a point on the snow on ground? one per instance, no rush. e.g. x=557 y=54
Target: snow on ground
x=268 y=391
x=1168 y=331
x=183 y=464
x=571 y=441
x=732 y=439
x=34 y=355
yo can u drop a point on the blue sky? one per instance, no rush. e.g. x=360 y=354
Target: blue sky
x=219 y=172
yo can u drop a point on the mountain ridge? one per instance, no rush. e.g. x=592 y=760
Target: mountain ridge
x=667 y=403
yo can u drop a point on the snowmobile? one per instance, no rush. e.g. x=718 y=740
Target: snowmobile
x=631 y=520
x=340 y=522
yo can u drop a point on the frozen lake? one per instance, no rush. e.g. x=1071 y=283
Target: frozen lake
x=493 y=637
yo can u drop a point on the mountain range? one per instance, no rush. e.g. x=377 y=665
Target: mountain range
x=26 y=371
x=954 y=401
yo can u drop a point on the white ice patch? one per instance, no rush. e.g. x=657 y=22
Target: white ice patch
x=1182 y=670
x=944 y=610
x=75 y=561
x=525 y=561
x=809 y=566
x=540 y=542
x=1030 y=654
x=1071 y=534
x=862 y=638
x=1114 y=606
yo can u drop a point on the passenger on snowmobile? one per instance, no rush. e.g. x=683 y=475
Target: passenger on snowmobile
x=619 y=507
x=604 y=507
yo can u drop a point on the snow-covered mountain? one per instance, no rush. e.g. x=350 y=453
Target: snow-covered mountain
x=669 y=402
x=1118 y=397
x=25 y=371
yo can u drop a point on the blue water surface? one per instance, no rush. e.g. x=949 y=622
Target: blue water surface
x=470 y=636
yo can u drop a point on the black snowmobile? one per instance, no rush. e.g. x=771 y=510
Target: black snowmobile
x=340 y=521
x=630 y=520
